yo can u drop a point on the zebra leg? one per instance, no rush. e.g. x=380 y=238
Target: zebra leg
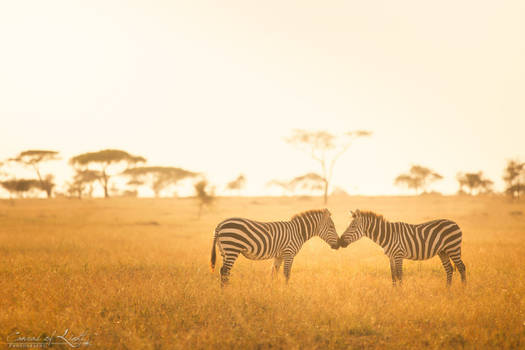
x=229 y=258
x=445 y=260
x=276 y=266
x=399 y=269
x=288 y=261
x=460 y=266
x=393 y=270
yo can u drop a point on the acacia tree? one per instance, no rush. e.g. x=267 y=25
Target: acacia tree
x=311 y=182
x=339 y=191
x=158 y=177
x=419 y=177
x=33 y=159
x=514 y=176
x=284 y=185
x=134 y=184
x=20 y=186
x=474 y=181
x=81 y=180
x=325 y=148
x=237 y=184
x=204 y=194
x=105 y=160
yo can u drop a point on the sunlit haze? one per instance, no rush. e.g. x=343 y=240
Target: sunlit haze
x=216 y=87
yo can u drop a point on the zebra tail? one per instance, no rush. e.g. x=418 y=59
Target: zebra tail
x=213 y=253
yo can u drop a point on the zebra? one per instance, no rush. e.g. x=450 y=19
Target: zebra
x=280 y=240
x=405 y=241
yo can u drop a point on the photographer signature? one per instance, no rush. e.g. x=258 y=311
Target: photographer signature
x=16 y=339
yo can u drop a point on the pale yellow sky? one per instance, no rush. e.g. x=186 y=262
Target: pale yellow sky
x=216 y=86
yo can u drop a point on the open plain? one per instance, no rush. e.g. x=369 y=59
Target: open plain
x=134 y=274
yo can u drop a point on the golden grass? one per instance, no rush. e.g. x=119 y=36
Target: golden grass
x=135 y=274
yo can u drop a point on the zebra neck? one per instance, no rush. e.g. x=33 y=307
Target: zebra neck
x=380 y=231
x=304 y=228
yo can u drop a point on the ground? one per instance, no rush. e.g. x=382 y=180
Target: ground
x=134 y=274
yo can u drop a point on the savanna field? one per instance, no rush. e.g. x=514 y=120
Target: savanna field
x=134 y=274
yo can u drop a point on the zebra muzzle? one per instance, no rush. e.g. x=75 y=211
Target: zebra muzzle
x=342 y=243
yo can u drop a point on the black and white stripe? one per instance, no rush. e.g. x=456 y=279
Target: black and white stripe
x=405 y=241
x=280 y=240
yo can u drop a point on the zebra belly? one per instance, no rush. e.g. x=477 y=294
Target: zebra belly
x=253 y=256
x=416 y=258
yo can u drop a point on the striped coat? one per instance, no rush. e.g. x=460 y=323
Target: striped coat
x=280 y=240
x=405 y=241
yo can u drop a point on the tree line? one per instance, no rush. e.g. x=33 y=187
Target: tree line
x=326 y=148
x=93 y=168
x=99 y=167
x=419 y=177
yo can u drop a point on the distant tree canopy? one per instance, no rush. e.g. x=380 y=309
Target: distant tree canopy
x=237 y=184
x=338 y=191
x=204 y=194
x=134 y=184
x=81 y=180
x=325 y=148
x=105 y=159
x=47 y=184
x=419 y=177
x=514 y=177
x=20 y=186
x=475 y=182
x=159 y=177
x=283 y=184
x=310 y=182
x=32 y=159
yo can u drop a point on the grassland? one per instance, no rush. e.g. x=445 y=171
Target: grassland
x=135 y=274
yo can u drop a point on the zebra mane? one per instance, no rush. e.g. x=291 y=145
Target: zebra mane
x=372 y=215
x=309 y=213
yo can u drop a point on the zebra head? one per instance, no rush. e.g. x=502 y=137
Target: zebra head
x=354 y=231
x=326 y=230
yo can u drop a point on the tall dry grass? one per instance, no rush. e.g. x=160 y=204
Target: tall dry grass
x=135 y=275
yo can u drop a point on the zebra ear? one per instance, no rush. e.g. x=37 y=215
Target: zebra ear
x=352 y=213
x=327 y=212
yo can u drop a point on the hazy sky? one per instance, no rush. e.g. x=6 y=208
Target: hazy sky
x=216 y=86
